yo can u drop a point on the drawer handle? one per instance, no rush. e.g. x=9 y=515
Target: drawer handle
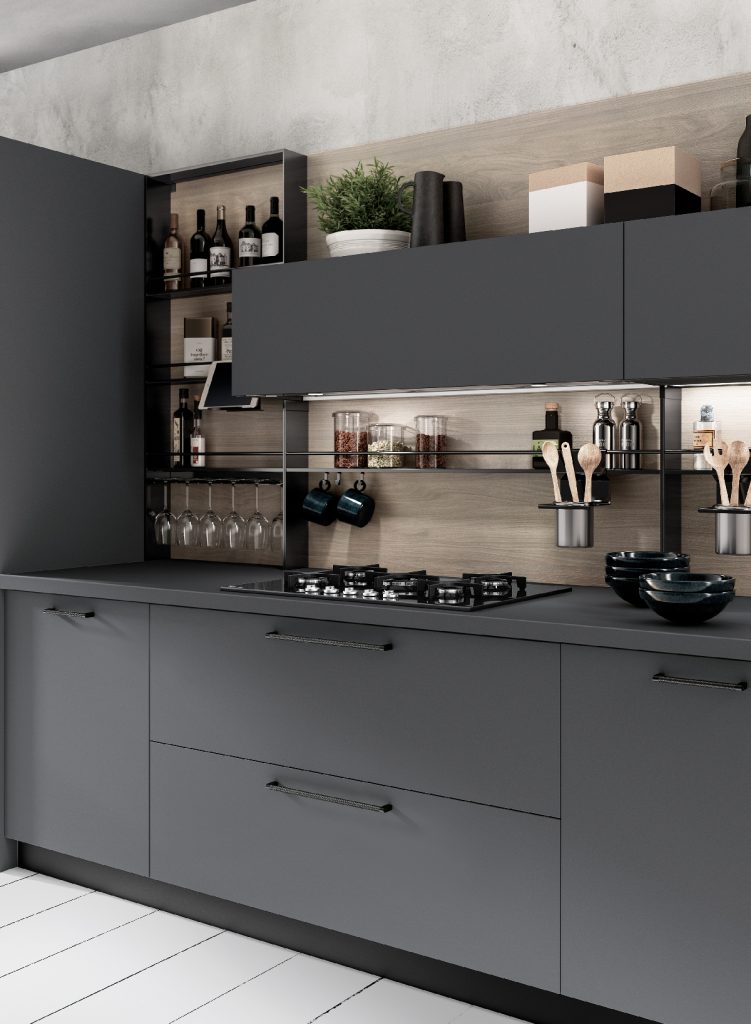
x=277 y=787
x=293 y=638
x=68 y=613
x=661 y=677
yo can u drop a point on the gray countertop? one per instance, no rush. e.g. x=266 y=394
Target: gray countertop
x=592 y=616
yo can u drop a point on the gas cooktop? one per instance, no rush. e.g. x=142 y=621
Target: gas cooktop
x=418 y=588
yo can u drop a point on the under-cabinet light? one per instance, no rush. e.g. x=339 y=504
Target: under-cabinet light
x=529 y=389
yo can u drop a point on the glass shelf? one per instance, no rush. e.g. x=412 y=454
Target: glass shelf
x=189 y=293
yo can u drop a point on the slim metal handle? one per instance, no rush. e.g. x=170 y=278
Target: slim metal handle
x=277 y=787
x=68 y=613
x=293 y=638
x=661 y=677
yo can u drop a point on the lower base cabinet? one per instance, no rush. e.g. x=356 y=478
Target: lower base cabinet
x=463 y=883
x=656 y=835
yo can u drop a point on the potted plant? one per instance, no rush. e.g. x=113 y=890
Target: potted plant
x=360 y=211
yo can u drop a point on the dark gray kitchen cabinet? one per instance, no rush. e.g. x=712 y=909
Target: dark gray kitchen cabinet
x=71 y=390
x=471 y=717
x=656 y=835
x=514 y=310
x=471 y=885
x=685 y=309
x=77 y=775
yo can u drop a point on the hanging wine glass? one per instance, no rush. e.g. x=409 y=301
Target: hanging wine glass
x=164 y=524
x=210 y=526
x=187 y=523
x=277 y=524
x=233 y=527
x=258 y=528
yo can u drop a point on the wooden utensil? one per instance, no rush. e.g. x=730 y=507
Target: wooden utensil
x=718 y=460
x=568 y=462
x=737 y=457
x=590 y=456
x=552 y=456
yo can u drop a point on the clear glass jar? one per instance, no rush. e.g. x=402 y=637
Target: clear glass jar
x=350 y=438
x=734 y=188
x=431 y=442
x=385 y=442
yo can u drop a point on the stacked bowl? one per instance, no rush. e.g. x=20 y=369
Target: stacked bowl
x=686 y=598
x=623 y=569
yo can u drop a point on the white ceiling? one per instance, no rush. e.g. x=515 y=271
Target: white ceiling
x=35 y=30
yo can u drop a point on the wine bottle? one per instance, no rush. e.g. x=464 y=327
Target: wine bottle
x=200 y=246
x=249 y=247
x=272 y=235
x=226 y=350
x=182 y=428
x=220 y=253
x=197 y=441
x=172 y=255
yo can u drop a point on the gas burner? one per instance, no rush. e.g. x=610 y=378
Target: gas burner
x=451 y=592
x=331 y=591
x=496 y=584
x=360 y=577
x=369 y=594
x=351 y=591
x=404 y=586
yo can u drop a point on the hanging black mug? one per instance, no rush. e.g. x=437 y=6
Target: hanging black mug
x=427 y=208
x=454 y=229
x=354 y=507
x=319 y=504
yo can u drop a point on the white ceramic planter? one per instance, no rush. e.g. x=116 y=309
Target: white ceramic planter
x=353 y=243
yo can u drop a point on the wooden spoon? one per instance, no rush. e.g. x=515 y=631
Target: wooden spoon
x=590 y=456
x=738 y=457
x=552 y=456
x=568 y=462
x=718 y=460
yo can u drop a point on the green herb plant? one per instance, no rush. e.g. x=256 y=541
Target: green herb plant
x=360 y=199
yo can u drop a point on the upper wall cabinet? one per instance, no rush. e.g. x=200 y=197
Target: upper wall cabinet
x=686 y=305
x=514 y=310
x=71 y=405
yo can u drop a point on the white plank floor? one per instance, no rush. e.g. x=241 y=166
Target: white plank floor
x=69 y=955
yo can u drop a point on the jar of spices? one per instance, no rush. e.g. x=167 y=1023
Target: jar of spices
x=432 y=441
x=385 y=442
x=350 y=438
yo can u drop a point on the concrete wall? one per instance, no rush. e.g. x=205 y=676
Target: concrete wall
x=315 y=75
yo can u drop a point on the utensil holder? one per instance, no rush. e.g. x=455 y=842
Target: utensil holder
x=732 y=529
x=575 y=522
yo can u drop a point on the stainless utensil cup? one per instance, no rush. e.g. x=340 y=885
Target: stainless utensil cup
x=575 y=526
x=732 y=533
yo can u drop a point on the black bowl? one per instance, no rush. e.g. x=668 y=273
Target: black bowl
x=653 y=559
x=688 y=582
x=634 y=574
x=627 y=590
x=686 y=609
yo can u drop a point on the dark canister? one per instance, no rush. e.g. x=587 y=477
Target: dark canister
x=355 y=507
x=426 y=209
x=319 y=504
x=454 y=229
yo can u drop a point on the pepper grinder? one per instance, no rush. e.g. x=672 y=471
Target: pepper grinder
x=604 y=428
x=629 y=433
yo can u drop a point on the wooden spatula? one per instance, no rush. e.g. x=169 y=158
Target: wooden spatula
x=590 y=456
x=568 y=462
x=718 y=460
x=738 y=457
x=551 y=455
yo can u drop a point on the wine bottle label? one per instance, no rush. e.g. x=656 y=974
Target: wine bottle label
x=538 y=442
x=702 y=438
x=270 y=245
x=227 y=349
x=199 y=267
x=198 y=350
x=176 y=441
x=250 y=248
x=219 y=257
x=198 y=451
x=173 y=259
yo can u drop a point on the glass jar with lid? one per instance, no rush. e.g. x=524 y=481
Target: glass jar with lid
x=734 y=187
x=431 y=442
x=350 y=439
x=386 y=442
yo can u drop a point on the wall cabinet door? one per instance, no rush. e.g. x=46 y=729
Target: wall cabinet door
x=77 y=711
x=514 y=310
x=686 y=285
x=71 y=389
x=656 y=836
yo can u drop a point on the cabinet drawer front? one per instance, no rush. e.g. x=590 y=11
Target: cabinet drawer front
x=474 y=886
x=475 y=718
x=77 y=727
x=656 y=897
